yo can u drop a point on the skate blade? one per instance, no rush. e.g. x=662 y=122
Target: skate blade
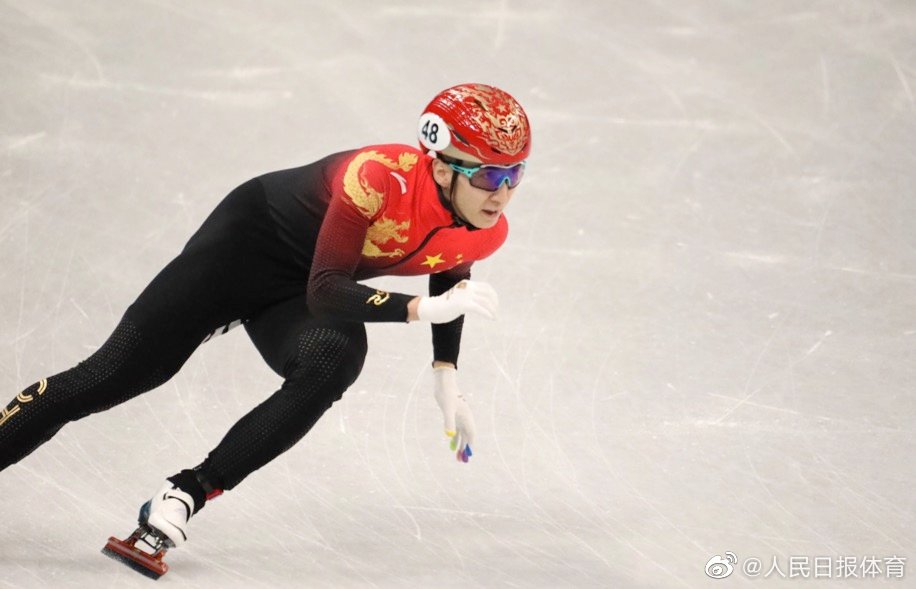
x=145 y=564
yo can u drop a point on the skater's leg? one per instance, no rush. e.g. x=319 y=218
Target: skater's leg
x=223 y=273
x=318 y=358
x=133 y=360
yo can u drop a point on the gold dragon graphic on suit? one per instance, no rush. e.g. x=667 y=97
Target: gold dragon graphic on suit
x=369 y=200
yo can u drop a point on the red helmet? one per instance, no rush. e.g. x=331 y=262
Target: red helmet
x=479 y=120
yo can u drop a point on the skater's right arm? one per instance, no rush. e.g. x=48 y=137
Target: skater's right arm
x=332 y=291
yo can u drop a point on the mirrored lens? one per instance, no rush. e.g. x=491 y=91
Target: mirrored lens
x=490 y=178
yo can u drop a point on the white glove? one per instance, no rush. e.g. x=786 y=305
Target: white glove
x=465 y=297
x=459 y=423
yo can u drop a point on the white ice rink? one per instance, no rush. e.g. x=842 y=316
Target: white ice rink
x=708 y=325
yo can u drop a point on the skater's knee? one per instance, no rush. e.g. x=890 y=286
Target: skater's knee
x=123 y=367
x=330 y=353
x=135 y=354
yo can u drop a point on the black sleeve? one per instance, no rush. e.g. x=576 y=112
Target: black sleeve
x=447 y=336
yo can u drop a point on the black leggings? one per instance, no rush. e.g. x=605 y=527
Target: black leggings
x=234 y=268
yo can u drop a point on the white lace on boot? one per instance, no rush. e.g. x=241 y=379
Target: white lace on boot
x=168 y=512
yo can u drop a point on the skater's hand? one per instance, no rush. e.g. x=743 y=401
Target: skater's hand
x=459 y=422
x=465 y=297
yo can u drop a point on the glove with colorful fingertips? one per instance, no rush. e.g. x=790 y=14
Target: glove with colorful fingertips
x=459 y=421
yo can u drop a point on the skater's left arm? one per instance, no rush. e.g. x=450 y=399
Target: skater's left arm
x=447 y=336
x=459 y=421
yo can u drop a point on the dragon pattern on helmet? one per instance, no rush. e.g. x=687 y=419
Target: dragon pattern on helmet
x=481 y=120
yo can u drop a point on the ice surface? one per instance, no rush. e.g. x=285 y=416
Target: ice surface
x=709 y=291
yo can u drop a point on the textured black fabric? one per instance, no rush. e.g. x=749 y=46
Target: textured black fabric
x=231 y=269
x=447 y=336
x=118 y=371
x=318 y=358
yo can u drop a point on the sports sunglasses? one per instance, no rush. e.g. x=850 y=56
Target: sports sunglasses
x=490 y=177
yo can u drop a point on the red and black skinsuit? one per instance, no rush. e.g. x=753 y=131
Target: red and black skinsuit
x=282 y=253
